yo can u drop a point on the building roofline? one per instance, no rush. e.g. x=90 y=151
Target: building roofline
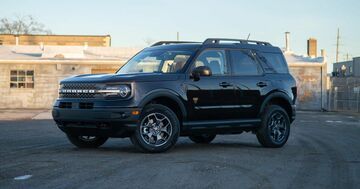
x=108 y=35
x=62 y=61
x=307 y=64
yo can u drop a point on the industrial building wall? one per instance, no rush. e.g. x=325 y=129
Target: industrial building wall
x=46 y=79
x=311 y=85
x=356 y=69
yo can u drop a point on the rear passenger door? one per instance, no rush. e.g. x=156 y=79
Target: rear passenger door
x=249 y=80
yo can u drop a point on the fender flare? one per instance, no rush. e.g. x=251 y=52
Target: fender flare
x=276 y=94
x=167 y=94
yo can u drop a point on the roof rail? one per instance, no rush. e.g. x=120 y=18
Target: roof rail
x=170 y=42
x=241 y=41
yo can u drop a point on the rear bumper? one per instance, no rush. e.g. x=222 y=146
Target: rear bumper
x=111 y=122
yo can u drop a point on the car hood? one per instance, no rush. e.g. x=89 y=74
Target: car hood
x=105 y=78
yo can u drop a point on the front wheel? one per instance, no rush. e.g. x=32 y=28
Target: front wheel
x=202 y=139
x=158 y=129
x=275 y=127
x=87 y=141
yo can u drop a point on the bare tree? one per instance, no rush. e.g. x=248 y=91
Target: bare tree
x=22 y=25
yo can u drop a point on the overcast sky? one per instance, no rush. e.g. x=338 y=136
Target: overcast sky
x=133 y=22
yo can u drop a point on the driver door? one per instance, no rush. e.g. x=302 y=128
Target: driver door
x=211 y=97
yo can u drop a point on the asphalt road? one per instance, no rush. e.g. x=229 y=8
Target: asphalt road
x=323 y=152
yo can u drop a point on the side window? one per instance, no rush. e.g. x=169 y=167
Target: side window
x=275 y=61
x=243 y=63
x=214 y=59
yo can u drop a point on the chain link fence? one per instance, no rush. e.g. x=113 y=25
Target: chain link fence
x=344 y=94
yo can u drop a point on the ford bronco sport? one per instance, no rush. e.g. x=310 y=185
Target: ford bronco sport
x=172 y=89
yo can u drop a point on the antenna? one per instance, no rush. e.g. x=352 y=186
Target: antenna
x=177 y=36
x=248 y=37
x=337 y=45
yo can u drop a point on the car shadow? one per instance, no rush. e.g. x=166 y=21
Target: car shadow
x=179 y=147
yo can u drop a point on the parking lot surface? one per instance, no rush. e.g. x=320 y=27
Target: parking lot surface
x=323 y=151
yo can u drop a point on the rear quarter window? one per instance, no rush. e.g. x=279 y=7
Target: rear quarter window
x=275 y=61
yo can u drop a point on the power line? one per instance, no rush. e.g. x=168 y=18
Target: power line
x=337 y=45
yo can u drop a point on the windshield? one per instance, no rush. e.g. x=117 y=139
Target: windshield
x=156 y=61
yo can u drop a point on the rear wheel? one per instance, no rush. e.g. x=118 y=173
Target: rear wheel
x=203 y=139
x=275 y=127
x=158 y=129
x=87 y=141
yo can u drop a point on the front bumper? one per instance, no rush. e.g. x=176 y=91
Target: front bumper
x=110 y=122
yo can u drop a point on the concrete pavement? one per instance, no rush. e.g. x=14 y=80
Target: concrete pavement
x=24 y=114
x=322 y=152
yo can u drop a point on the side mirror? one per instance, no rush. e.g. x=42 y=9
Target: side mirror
x=200 y=71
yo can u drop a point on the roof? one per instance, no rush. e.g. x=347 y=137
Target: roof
x=217 y=43
x=195 y=46
x=293 y=58
x=182 y=46
x=56 y=35
x=35 y=52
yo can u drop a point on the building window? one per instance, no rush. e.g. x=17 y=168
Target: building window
x=22 y=79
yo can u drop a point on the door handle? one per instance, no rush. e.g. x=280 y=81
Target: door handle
x=261 y=84
x=225 y=84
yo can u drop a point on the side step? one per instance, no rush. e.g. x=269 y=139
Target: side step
x=209 y=124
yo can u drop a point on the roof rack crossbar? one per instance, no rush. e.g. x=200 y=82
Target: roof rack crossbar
x=170 y=42
x=241 y=41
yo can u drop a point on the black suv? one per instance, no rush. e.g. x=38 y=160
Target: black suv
x=172 y=89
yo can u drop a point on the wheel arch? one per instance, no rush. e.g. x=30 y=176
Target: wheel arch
x=167 y=98
x=278 y=98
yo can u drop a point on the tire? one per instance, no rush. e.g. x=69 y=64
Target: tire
x=274 y=130
x=202 y=139
x=158 y=129
x=86 y=141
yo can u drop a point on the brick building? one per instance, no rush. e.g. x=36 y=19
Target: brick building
x=312 y=47
x=29 y=75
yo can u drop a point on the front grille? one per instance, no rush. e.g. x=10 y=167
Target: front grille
x=77 y=90
x=78 y=86
x=76 y=95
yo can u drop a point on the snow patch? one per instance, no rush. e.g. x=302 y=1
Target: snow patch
x=332 y=121
x=291 y=58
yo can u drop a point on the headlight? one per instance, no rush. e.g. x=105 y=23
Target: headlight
x=123 y=91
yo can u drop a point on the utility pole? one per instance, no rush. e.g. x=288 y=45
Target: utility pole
x=337 y=45
x=177 y=36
